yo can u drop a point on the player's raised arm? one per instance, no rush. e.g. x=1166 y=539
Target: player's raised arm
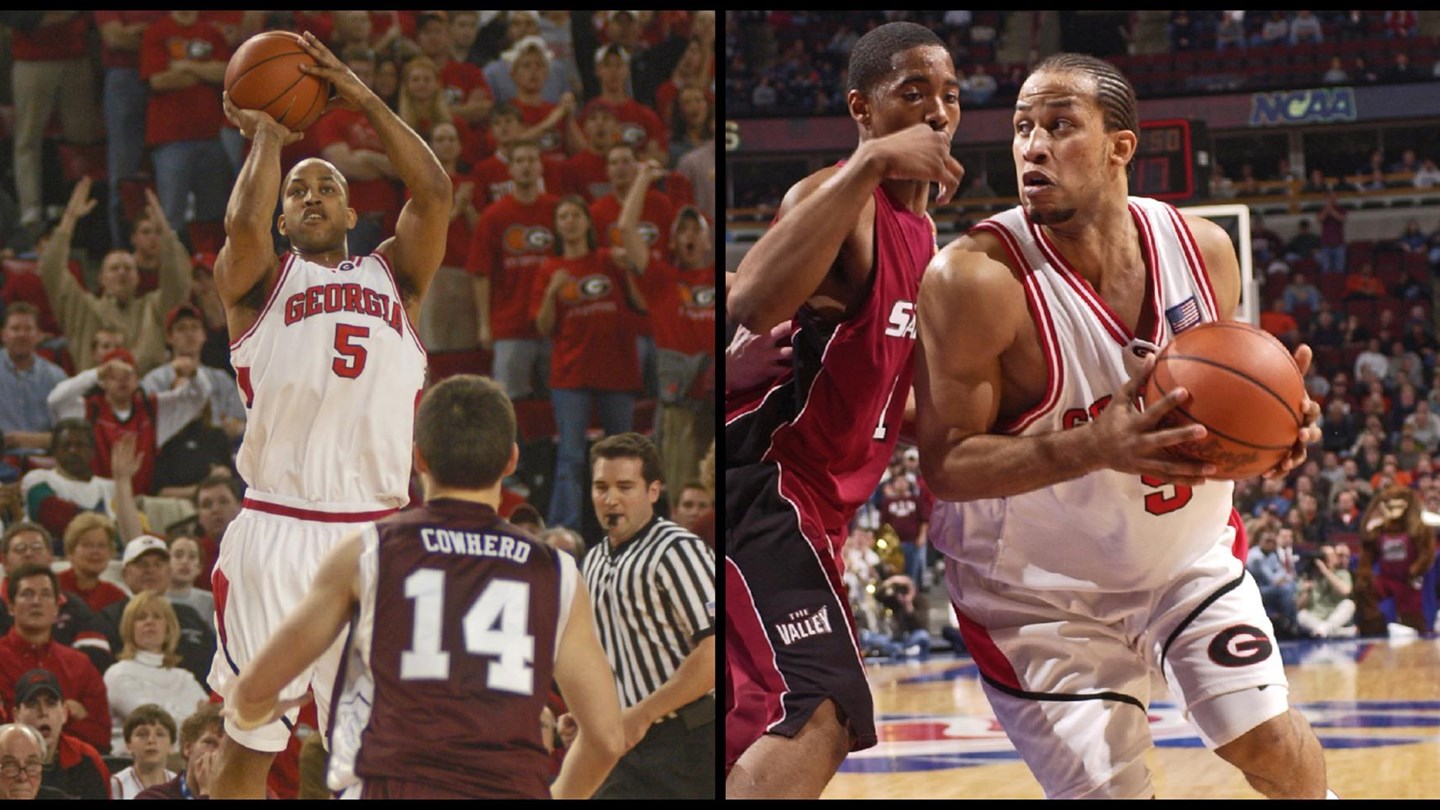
x=248 y=255
x=307 y=632
x=418 y=246
x=793 y=258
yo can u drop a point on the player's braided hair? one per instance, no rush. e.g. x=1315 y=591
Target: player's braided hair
x=870 y=59
x=1113 y=92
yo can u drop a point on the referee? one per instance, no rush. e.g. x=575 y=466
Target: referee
x=653 y=585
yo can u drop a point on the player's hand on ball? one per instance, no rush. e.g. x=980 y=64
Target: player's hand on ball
x=252 y=121
x=349 y=90
x=1309 y=431
x=1132 y=441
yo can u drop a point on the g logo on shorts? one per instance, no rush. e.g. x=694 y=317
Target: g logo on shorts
x=1240 y=646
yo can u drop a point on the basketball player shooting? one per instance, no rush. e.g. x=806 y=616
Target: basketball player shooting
x=1083 y=559
x=330 y=366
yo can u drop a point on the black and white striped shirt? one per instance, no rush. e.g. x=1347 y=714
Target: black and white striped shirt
x=654 y=601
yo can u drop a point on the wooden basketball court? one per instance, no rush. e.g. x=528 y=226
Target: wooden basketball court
x=1374 y=703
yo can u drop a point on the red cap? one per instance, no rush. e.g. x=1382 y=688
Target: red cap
x=204 y=260
x=184 y=310
x=598 y=104
x=118 y=354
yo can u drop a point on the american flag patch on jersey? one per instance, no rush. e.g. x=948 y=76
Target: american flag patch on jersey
x=1183 y=315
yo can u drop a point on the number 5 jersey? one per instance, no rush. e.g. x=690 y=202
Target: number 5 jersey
x=332 y=366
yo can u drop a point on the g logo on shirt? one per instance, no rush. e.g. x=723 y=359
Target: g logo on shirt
x=1241 y=645
x=592 y=287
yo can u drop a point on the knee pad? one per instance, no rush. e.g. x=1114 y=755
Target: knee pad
x=1224 y=718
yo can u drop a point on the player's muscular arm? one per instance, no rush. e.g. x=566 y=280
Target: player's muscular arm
x=971 y=310
x=1220 y=262
x=831 y=215
x=418 y=246
x=592 y=701
x=248 y=256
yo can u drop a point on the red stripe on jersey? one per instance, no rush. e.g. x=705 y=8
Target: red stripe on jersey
x=988 y=659
x=318 y=517
x=1152 y=265
x=242 y=378
x=220 y=587
x=1196 y=262
x=1102 y=310
x=274 y=293
x=1044 y=327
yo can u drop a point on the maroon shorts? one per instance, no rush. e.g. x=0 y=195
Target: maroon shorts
x=1407 y=599
x=379 y=787
x=789 y=635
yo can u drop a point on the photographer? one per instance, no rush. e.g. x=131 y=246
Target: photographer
x=1325 y=607
x=907 y=620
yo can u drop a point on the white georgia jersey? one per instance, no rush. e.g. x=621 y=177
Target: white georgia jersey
x=330 y=374
x=1106 y=531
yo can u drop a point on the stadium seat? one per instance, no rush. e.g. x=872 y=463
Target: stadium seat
x=446 y=364
x=1332 y=286
x=1362 y=308
x=1275 y=287
x=1391 y=276
x=1328 y=358
x=1417 y=267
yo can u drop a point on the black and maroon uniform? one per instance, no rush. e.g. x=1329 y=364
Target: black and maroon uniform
x=800 y=457
x=460 y=614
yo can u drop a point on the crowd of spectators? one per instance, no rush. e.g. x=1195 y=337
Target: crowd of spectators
x=536 y=114
x=793 y=63
x=579 y=270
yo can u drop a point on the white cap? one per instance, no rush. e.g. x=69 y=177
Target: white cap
x=525 y=44
x=144 y=544
x=601 y=51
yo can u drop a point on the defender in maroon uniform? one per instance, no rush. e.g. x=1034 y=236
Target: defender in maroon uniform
x=849 y=244
x=475 y=618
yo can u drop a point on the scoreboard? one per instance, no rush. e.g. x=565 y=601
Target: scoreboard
x=1168 y=164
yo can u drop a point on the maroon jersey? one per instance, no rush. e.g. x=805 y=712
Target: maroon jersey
x=460 y=613
x=830 y=424
x=904 y=513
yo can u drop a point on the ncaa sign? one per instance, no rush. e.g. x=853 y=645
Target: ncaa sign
x=1318 y=106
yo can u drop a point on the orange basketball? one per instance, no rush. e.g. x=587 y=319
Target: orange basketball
x=1245 y=389
x=264 y=74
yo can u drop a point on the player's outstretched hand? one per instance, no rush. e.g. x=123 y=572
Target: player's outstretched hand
x=917 y=153
x=1309 y=431
x=251 y=121
x=1133 y=441
x=349 y=90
